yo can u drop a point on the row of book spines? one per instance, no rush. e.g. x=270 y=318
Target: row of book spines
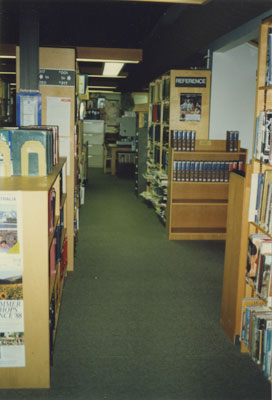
x=204 y=171
x=55 y=298
x=269 y=59
x=163 y=91
x=260 y=201
x=263 y=132
x=259 y=264
x=52 y=209
x=232 y=141
x=165 y=160
x=56 y=246
x=156 y=113
x=183 y=140
x=154 y=133
x=257 y=335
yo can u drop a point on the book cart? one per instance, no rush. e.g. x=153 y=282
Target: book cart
x=41 y=223
x=237 y=318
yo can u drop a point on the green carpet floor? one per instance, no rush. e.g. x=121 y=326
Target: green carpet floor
x=140 y=318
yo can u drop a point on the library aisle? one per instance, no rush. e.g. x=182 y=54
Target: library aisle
x=141 y=314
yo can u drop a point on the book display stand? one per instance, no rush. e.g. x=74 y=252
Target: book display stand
x=198 y=196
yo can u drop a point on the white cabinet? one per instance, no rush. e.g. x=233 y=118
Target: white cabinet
x=93 y=133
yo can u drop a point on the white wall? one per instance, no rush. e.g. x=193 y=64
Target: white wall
x=233 y=93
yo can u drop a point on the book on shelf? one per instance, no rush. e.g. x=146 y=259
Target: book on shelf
x=204 y=171
x=260 y=200
x=269 y=59
x=52 y=258
x=64 y=258
x=33 y=150
x=166 y=88
x=257 y=244
x=54 y=139
x=264 y=206
x=246 y=302
x=248 y=322
x=232 y=141
x=51 y=209
x=263 y=133
x=256 y=332
x=52 y=322
x=255 y=198
x=263 y=279
x=183 y=140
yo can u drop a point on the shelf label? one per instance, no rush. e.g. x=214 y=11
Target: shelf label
x=187 y=81
x=205 y=143
x=57 y=77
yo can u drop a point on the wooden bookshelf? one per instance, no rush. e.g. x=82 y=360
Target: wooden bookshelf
x=235 y=254
x=165 y=101
x=198 y=210
x=59 y=59
x=235 y=285
x=38 y=285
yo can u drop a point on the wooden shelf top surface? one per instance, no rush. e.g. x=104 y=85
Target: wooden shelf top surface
x=200 y=201
x=198 y=230
x=31 y=183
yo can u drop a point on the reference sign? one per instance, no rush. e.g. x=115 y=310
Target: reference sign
x=187 y=81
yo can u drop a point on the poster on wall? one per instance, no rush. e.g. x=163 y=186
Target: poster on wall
x=12 y=346
x=10 y=231
x=58 y=113
x=28 y=109
x=12 y=349
x=190 y=107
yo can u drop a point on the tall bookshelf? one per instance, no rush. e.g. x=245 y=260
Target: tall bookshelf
x=196 y=205
x=158 y=145
x=40 y=286
x=263 y=103
x=59 y=59
x=232 y=315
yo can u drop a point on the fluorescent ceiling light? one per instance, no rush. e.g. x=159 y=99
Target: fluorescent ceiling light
x=101 y=60
x=112 y=68
x=7 y=73
x=107 y=76
x=7 y=56
x=102 y=87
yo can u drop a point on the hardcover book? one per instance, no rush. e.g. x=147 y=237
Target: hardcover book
x=35 y=156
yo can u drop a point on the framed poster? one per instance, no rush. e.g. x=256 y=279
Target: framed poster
x=29 y=107
x=190 y=107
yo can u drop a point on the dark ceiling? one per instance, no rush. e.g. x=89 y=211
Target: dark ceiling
x=171 y=35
